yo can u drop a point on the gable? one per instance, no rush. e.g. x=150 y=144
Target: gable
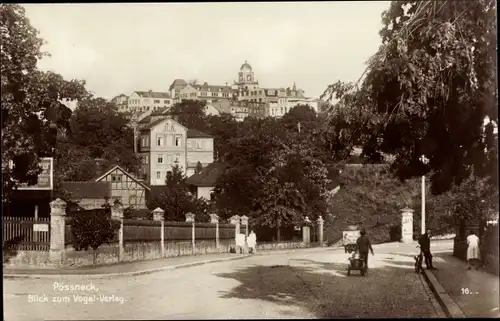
x=134 y=95
x=159 y=125
x=119 y=175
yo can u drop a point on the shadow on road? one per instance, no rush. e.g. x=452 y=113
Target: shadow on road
x=324 y=289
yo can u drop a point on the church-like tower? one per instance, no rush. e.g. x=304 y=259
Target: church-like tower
x=246 y=77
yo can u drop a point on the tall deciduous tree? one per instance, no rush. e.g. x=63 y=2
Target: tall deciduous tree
x=190 y=113
x=29 y=98
x=272 y=177
x=428 y=90
x=99 y=130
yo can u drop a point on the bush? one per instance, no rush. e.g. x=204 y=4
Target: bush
x=91 y=229
x=133 y=213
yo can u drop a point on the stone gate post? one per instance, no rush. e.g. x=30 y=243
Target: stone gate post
x=407 y=225
x=57 y=231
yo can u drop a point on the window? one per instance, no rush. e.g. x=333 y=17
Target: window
x=177 y=157
x=160 y=159
x=145 y=160
x=281 y=110
x=116 y=178
x=158 y=175
x=159 y=140
x=156 y=101
x=169 y=159
x=144 y=141
x=166 y=101
x=198 y=144
x=177 y=141
x=188 y=144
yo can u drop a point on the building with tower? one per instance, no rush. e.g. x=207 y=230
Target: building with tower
x=246 y=78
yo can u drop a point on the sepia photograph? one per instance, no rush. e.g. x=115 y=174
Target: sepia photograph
x=250 y=160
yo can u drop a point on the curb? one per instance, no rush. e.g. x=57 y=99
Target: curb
x=314 y=249
x=450 y=307
x=111 y=275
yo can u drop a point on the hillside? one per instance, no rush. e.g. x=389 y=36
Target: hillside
x=371 y=197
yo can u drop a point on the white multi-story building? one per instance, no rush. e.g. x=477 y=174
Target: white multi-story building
x=163 y=143
x=148 y=101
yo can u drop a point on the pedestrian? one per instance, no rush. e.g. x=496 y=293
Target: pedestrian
x=425 y=246
x=240 y=242
x=472 y=249
x=252 y=242
x=363 y=245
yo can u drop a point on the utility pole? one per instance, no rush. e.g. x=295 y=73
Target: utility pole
x=425 y=161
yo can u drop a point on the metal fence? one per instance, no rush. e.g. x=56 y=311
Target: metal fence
x=26 y=233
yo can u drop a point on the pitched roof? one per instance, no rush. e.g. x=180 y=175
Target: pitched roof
x=213 y=88
x=208 y=175
x=83 y=190
x=145 y=120
x=194 y=133
x=152 y=94
x=178 y=83
x=124 y=172
x=159 y=112
x=153 y=124
x=146 y=126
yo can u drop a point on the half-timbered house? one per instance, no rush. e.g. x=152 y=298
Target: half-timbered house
x=125 y=188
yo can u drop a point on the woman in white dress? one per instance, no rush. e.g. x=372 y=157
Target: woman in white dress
x=472 y=249
x=252 y=242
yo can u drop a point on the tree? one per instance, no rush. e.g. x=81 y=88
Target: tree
x=222 y=127
x=428 y=89
x=176 y=200
x=271 y=176
x=29 y=97
x=93 y=228
x=303 y=115
x=190 y=113
x=100 y=131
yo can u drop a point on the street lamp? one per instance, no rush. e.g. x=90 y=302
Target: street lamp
x=424 y=161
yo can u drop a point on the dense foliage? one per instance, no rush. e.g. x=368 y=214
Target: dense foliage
x=177 y=200
x=31 y=99
x=427 y=91
x=36 y=124
x=93 y=228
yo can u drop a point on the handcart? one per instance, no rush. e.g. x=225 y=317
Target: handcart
x=356 y=263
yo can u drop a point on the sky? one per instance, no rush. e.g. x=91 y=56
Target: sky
x=120 y=48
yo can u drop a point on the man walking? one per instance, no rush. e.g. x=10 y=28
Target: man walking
x=363 y=245
x=425 y=245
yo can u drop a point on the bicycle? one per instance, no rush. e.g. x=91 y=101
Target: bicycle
x=418 y=261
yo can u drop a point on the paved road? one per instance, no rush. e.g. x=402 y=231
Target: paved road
x=304 y=284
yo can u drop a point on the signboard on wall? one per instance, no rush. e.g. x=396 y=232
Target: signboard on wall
x=45 y=178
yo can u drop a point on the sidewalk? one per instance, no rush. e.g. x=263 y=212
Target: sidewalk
x=124 y=268
x=139 y=267
x=475 y=293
